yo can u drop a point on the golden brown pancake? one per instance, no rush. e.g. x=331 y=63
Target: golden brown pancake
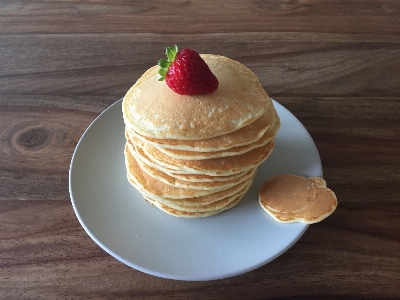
x=193 y=155
x=145 y=182
x=152 y=109
x=196 y=156
x=244 y=136
x=213 y=206
x=214 y=166
x=193 y=201
x=173 y=181
x=205 y=178
x=192 y=214
x=289 y=198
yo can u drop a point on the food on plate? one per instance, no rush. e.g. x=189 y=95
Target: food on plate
x=194 y=152
x=290 y=198
x=186 y=73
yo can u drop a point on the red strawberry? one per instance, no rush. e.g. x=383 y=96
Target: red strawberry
x=186 y=73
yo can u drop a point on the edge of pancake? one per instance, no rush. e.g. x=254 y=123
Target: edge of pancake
x=196 y=201
x=185 y=214
x=154 y=110
x=173 y=181
x=215 y=166
x=290 y=198
x=141 y=178
x=234 y=151
x=241 y=137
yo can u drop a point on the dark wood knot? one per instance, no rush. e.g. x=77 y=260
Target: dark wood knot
x=33 y=139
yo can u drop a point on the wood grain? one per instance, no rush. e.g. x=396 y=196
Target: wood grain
x=49 y=254
x=334 y=64
x=368 y=16
x=357 y=139
x=358 y=142
x=38 y=137
x=286 y=64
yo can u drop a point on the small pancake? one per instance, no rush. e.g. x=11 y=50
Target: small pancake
x=152 y=109
x=289 y=198
x=244 y=136
x=318 y=181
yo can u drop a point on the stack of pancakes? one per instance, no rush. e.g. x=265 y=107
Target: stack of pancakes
x=196 y=156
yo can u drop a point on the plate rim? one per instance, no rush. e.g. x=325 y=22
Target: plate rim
x=157 y=273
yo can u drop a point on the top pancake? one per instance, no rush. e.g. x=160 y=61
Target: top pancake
x=153 y=110
x=241 y=137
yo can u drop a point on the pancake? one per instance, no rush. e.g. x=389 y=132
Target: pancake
x=193 y=155
x=213 y=206
x=192 y=214
x=194 y=201
x=210 y=185
x=152 y=109
x=289 y=198
x=205 y=178
x=215 y=166
x=196 y=156
x=244 y=136
x=145 y=182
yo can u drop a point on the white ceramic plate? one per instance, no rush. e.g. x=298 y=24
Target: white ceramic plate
x=117 y=218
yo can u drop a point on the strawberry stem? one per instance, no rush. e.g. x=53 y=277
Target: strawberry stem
x=164 y=64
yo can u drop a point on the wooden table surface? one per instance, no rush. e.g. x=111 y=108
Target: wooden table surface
x=334 y=64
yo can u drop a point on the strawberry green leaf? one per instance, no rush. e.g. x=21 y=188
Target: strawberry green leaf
x=171 y=53
x=163 y=63
x=162 y=72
